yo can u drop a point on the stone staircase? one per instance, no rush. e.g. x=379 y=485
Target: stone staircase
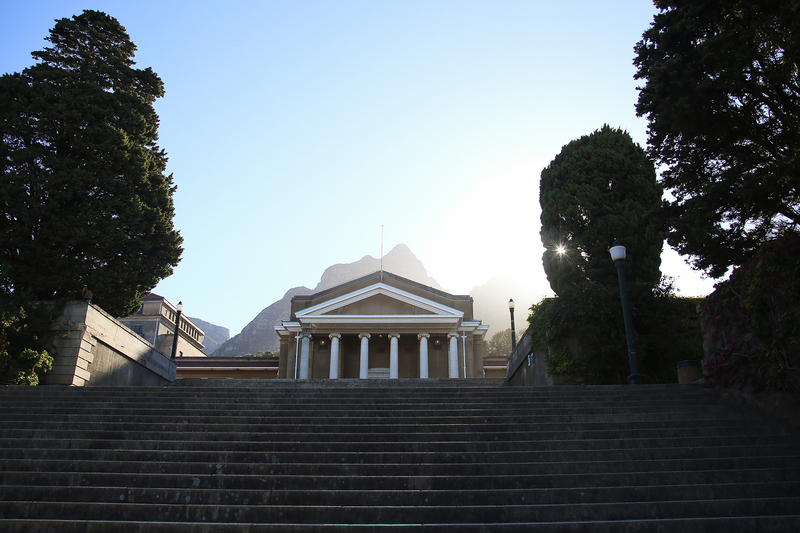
x=435 y=455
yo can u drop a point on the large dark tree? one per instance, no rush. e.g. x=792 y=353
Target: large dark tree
x=600 y=187
x=84 y=196
x=722 y=97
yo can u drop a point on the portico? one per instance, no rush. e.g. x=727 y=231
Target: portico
x=381 y=326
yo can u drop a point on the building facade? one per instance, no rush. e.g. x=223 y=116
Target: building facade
x=381 y=326
x=155 y=322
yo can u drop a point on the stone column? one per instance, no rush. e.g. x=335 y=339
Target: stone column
x=334 y=337
x=452 y=359
x=423 y=355
x=464 y=352
x=364 y=368
x=304 y=355
x=394 y=356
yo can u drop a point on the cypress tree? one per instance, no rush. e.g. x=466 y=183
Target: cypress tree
x=85 y=197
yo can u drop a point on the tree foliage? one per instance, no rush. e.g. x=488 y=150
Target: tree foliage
x=264 y=354
x=583 y=333
x=84 y=196
x=499 y=345
x=600 y=187
x=20 y=363
x=603 y=187
x=722 y=98
x=752 y=322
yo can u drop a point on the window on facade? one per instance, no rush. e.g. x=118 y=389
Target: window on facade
x=139 y=330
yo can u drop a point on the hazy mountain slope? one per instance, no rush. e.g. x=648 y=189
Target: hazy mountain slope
x=400 y=261
x=259 y=334
x=491 y=299
x=215 y=337
x=491 y=303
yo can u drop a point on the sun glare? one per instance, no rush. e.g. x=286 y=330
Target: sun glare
x=561 y=249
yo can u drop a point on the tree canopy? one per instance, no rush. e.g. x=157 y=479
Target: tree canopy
x=722 y=98
x=500 y=344
x=19 y=363
x=600 y=187
x=84 y=196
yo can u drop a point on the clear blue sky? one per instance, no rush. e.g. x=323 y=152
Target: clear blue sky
x=296 y=129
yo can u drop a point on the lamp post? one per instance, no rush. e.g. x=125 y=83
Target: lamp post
x=513 y=335
x=618 y=255
x=179 y=308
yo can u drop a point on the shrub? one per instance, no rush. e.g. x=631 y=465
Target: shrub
x=583 y=333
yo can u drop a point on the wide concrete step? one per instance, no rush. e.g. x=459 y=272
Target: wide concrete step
x=398 y=515
x=353 y=421
x=731 y=524
x=401 y=386
x=408 y=481
x=419 y=434
x=376 y=455
x=748 y=441
x=750 y=438
x=340 y=407
x=306 y=392
x=342 y=497
x=285 y=407
x=523 y=465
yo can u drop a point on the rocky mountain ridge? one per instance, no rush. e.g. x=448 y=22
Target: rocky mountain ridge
x=490 y=300
x=259 y=334
x=215 y=337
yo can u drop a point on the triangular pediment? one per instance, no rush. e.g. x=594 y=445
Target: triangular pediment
x=379 y=300
x=379 y=304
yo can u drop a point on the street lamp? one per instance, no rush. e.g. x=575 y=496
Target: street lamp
x=618 y=256
x=179 y=308
x=513 y=336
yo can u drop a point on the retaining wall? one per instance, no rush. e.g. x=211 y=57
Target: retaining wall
x=91 y=348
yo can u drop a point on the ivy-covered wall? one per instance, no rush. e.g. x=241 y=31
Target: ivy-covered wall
x=751 y=323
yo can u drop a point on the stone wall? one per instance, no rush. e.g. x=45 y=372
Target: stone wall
x=91 y=348
x=527 y=368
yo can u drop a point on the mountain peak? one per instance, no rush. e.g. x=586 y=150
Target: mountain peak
x=400 y=260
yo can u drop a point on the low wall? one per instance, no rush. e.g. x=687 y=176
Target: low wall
x=91 y=348
x=527 y=368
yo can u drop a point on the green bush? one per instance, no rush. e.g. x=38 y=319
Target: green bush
x=583 y=332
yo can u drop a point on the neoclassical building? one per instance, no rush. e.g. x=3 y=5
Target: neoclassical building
x=381 y=326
